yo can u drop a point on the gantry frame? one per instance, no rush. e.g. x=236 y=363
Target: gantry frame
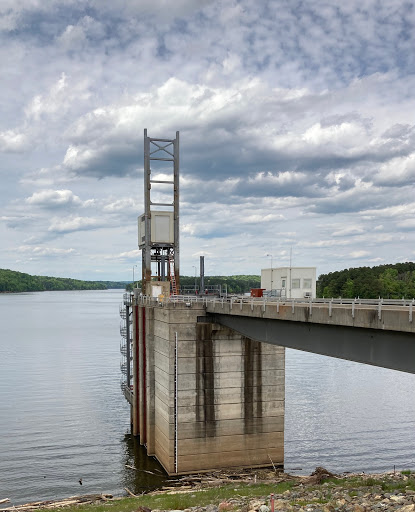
x=164 y=254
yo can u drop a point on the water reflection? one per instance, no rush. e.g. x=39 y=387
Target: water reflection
x=148 y=473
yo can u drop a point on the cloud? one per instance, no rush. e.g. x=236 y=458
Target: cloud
x=324 y=243
x=19 y=221
x=11 y=141
x=407 y=224
x=295 y=119
x=54 y=199
x=42 y=251
x=398 y=171
x=58 y=99
x=121 y=205
x=348 y=231
x=359 y=254
x=73 y=224
x=224 y=132
x=76 y=37
x=126 y=256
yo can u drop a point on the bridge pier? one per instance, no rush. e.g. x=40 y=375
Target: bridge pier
x=204 y=397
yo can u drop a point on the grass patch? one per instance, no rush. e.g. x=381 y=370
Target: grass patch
x=406 y=472
x=397 y=486
x=367 y=483
x=186 y=500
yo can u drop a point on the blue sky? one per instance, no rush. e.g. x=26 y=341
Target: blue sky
x=296 y=125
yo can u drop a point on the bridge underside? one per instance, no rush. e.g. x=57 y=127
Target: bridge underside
x=388 y=349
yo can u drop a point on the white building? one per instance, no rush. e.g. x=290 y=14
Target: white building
x=289 y=282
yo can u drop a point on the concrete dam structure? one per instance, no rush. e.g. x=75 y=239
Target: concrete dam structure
x=205 y=377
x=206 y=385
x=202 y=396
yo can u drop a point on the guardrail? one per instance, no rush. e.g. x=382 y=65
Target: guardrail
x=204 y=299
x=377 y=304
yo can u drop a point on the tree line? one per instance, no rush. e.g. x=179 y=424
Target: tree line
x=233 y=284
x=392 y=281
x=13 y=282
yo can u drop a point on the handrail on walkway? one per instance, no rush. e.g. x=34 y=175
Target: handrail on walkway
x=377 y=304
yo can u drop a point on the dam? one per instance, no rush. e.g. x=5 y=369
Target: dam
x=205 y=378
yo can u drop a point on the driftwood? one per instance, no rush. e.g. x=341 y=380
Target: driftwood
x=73 y=500
x=143 y=470
x=319 y=475
x=4 y=500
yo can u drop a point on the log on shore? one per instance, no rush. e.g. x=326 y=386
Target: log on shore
x=51 y=504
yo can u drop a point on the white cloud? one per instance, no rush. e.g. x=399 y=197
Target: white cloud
x=398 y=171
x=259 y=218
x=58 y=99
x=53 y=198
x=126 y=256
x=407 y=224
x=348 y=231
x=121 y=205
x=39 y=251
x=359 y=254
x=71 y=224
x=12 y=141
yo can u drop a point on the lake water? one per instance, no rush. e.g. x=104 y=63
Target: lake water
x=63 y=417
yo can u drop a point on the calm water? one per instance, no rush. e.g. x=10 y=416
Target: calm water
x=62 y=415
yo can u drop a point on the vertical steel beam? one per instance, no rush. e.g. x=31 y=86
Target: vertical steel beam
x=202 y=274
x=146 y=271
x=128 y=344
x=176 y=163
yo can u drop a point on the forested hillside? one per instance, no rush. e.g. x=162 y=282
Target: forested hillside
x=234 y=284
x=392 y=281
x=11 y=281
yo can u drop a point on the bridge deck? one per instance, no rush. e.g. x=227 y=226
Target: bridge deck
x=380 y=315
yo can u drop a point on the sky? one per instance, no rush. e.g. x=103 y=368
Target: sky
x=296 y=121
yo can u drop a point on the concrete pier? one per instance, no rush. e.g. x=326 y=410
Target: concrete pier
x=205 y=397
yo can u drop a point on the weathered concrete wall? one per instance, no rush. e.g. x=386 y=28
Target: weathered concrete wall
x=230 y=394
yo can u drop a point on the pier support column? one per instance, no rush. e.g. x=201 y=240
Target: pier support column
x=135 y=405
x=148 y=386
x=218 y=400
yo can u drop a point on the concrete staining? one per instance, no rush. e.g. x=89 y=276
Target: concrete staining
x=211 y=399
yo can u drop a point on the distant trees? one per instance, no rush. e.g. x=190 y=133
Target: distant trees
x=233 y=284
x=11 y=281
x=392 y=281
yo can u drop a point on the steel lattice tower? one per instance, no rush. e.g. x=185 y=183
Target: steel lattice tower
x=159 y=229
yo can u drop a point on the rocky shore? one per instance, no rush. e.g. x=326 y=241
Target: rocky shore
x=322 y=491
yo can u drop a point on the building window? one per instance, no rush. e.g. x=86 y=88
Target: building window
x=283 y=282
x=307 y=284
x=295 y=283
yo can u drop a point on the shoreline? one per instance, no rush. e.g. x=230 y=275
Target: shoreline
x=322 y=491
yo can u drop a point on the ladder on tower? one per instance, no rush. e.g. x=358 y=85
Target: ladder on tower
x=172 y=275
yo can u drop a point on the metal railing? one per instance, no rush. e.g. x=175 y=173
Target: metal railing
x=146 y=299
x=377 y=304
x=128 y=299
